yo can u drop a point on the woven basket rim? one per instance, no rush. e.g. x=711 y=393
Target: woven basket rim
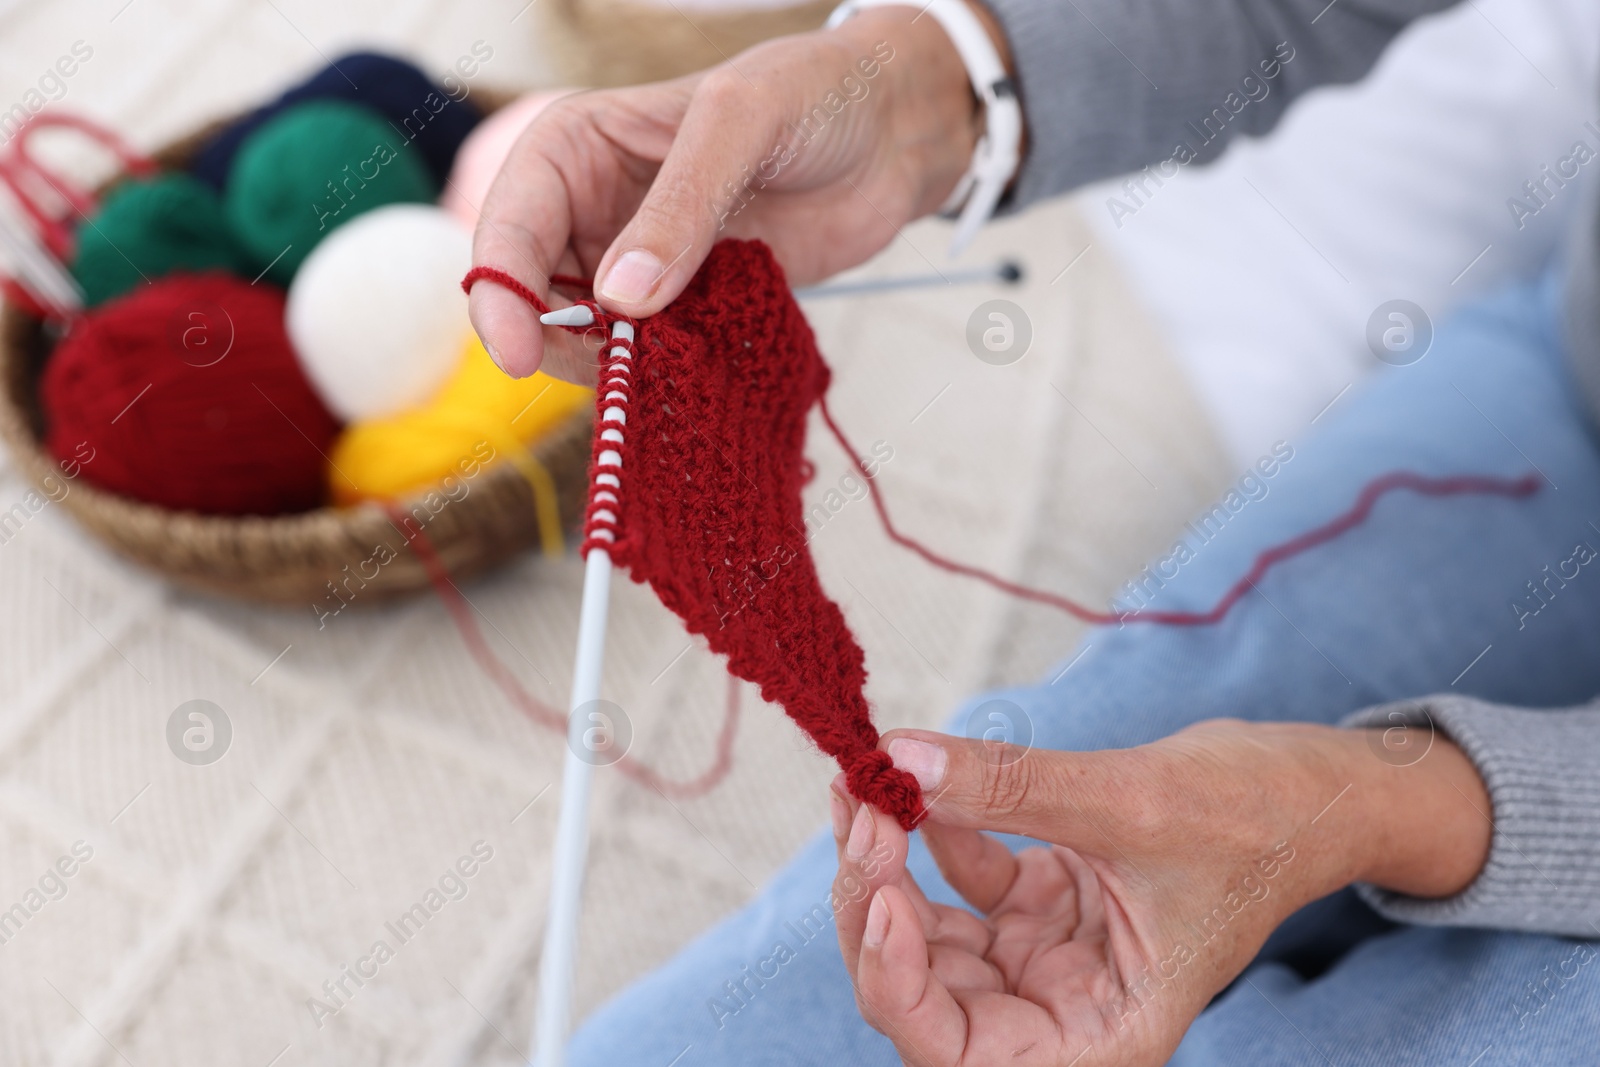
x=258 y=545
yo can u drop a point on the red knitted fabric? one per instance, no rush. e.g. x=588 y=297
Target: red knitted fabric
x=697 y=491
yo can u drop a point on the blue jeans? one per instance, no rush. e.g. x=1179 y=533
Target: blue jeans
x=1402 y=606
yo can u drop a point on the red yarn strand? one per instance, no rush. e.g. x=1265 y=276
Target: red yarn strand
x=500 y=277
x=1355 y=516
x=544 y=715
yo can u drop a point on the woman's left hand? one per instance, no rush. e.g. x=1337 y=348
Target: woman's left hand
x=1165 y=868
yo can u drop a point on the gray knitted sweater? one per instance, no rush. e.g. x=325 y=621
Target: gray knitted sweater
x=1084 y=74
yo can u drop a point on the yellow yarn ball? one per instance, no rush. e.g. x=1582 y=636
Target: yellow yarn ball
x=473 y=422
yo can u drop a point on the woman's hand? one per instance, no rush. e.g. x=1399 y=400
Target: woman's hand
x=1167 y=867
x=821 y=144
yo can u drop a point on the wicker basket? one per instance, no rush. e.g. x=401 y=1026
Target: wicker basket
x=292 y=559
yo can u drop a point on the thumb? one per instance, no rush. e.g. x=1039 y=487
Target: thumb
x=722 y=136
x=1047 y=795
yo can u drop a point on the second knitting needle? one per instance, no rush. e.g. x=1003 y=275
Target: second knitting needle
x=1006 y=272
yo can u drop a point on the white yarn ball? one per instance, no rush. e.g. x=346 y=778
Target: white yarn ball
x=376 y=312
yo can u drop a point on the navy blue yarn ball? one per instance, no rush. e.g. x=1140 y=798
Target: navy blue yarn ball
x=418 y=109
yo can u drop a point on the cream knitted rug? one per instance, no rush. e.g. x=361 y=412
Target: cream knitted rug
x=376 y=787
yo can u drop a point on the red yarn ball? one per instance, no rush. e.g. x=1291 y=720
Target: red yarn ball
x=190 y=397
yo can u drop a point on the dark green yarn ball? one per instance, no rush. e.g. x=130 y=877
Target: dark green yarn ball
x=149 y=228
x=311 y=169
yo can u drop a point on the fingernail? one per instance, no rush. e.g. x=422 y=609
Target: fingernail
x=861 y=834
x=924 y=762
x=495 y=356
x=631 y=278
x=877 y=928
x=840 y=812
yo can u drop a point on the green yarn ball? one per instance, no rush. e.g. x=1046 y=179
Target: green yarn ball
x=148 y=228
x=311 y=169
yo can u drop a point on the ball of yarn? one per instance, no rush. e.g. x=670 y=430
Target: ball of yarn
x=310 y=170
x=185 y=393
x=478 y=417
x=377 y=314
x=147 y=228
x=423 y=112
x=485 y=150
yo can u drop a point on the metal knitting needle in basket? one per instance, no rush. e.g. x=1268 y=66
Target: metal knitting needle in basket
x=572 y=829
x=44 y=277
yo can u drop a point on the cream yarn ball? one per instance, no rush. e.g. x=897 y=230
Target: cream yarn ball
x=376 y=312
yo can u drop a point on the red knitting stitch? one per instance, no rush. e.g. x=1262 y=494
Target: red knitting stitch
x=707 y=511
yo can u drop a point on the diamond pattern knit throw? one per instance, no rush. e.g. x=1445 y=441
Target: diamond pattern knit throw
x=695 y=488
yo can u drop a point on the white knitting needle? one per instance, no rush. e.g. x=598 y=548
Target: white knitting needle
x=1007 y=272
x=37 y=270
x=572 y=830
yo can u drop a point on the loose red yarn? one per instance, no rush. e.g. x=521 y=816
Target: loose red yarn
x=1358 y=513
x=537 y=710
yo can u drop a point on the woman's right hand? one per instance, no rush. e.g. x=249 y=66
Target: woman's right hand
x=821 y=144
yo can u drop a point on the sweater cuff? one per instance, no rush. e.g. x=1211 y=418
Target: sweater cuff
x=1543 y=870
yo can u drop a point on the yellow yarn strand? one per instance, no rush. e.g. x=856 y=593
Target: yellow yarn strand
x=479 y=409
x=545 y=504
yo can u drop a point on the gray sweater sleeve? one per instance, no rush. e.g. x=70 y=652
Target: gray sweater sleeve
x=1111 y=86
x=1543 y=871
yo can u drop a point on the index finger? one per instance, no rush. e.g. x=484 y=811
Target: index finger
x=527 y=189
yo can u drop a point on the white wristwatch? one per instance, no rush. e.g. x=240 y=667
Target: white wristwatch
x=995 y=159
